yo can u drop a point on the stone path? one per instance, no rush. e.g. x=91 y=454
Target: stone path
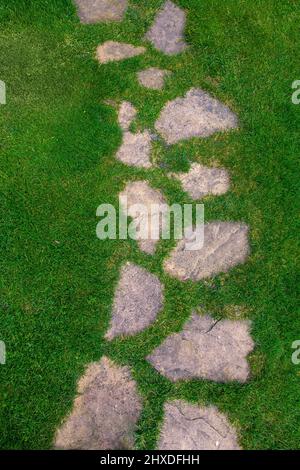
x=127 y=113
x=105 y=411
x=136 y=149
x=138 y=300
x=196 y=115
x=149 y=225
x=225 y=246
x=152 y=78
x=111 y=51
x=93 y=11
x=202 y=181
x=166 y=34
x=206 y=349
x=189 y=427
x=108 y=406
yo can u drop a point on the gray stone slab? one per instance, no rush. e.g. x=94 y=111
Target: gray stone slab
x=166 y=34
x=201 y=181
x=190 y=427
x=105 y=412
x=149 y=218
x=111 y=51
x=198 y=114
x=138 y=300
x=225 y=246
x=136 y=149
x=152 y=78
x=206 y=349
x=127 y=113
x=97 y=11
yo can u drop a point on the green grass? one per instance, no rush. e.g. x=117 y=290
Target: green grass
x=57 y=144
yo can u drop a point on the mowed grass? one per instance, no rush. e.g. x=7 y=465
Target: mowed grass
x=57 y=144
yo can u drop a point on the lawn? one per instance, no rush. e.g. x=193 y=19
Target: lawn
x=57 y=143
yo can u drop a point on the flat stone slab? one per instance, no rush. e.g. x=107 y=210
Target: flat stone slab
x=96 y=11
x=138 y=300
x=190 y=427
x=105 y=412
x=152 y=78
x=148 y=220
x=136 y=149
x=202 y=181
x=225 y=246
x=111 y=51
x=166 y=34
x=127 y=113
x=206 y=349
x=198 y=114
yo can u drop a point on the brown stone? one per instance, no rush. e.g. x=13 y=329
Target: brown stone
x=206 y=349
x=105 y=412
x=190 y=427
x=111 y=51
x=225 y=246
x=138 y=300
x=97 y=11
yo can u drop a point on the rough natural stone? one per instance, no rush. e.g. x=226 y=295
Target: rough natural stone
x=152 y=78
x=111 y=51
x=166 y=34
x=198 y=114
x=94 y=11
x=206 y=349
x=225 y=245
x=136 y=149
x=201 y=181
x=190 y=427
x=127 y=113
x=105 y=411
x=138 y=300
x=148 y=220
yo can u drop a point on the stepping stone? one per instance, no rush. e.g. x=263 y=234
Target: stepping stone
x=206 y=349
x=198 y=114
x=105 y=412
x=149 y=222
x=95 y=11
x=127 y=113
x=152 y=78
x=111 y=51
x=190 y=427
x=136 y=149
x=225 y=246
x=201 y=181
x=138 y=300
x=166 y=34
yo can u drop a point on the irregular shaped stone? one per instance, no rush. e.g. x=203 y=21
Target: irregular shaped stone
x=127 y=113
x=111 y=51
x=148 y=209
x=206 y=349
x=105 y=412
x=190 y=427
x=138 y=300
x=166 y=34
x=152 y=78
x=95 y=11
x=198 y=114
x=201 y=181
x=225 y=246
x=135 y=149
